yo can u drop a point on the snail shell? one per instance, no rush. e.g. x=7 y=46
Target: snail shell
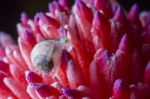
x=43 y=53
x=47 y=54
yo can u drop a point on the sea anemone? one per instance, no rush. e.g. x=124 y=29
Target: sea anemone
x=92 y=50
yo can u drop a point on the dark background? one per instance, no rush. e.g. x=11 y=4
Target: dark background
x=10 y=11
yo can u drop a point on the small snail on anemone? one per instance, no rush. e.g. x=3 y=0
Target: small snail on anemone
x=47 y=54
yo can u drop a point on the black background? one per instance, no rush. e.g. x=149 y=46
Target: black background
x=10 y=10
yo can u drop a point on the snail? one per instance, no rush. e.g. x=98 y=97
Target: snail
x=47 y=54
